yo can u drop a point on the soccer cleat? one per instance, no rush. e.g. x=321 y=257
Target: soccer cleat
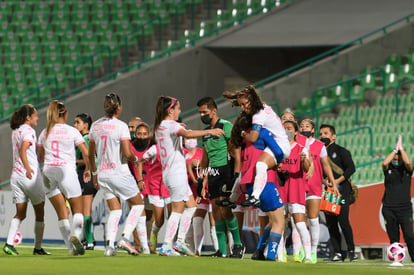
x=296 y=258
x=153 y=242
x=353 y=257
x=183 y=248
x=145 y=251
x=110 y=251
x=77 y=246
x=218 y=254
x=10 y=250
x=125 y=245
x=90 y=246
x=301 y=254
x=40 y=251
x=251 y=201
x=314 y=257
x=308 y=261
x=258 y=255
x=197 y=254
x=226 y=203
x=337 y=257
x=168 y=252
x=238 y=251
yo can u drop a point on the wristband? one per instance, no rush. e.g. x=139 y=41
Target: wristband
x=395 y=151
x=140 y=181
x=94 y=173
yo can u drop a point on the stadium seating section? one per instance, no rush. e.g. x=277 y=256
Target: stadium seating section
x=45 y=44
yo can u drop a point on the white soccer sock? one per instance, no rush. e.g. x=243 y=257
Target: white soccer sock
x=260 y=179
x=132 y=220
x=77 y=225
x=112 y=226
x=198 y=227
x=155 y=229
x=296 y=241
x=314 y=229
x=14 y=227
x=185 y=222
x=305 y=237
x=38 y=230
x=230 y=243
x=142 y=232
x=281 y=248
x=189 y=237
x=213 y=236
x=64 y=227
x=171 y=229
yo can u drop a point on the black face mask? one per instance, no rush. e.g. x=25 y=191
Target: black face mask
x=206 y=119
x=326 y=141
x=306 y=133
x=141 y=144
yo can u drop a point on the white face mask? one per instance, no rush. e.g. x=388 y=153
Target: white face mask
x=190 y=143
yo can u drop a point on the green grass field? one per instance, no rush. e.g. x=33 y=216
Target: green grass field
x=93 y=262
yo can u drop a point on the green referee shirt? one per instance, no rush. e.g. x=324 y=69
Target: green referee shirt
x=217 y=147
x=78 y=151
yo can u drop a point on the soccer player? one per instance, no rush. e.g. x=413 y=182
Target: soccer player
x=168 y=136
x=57 y=150
x=263 y=117
x=83 y=124
x=222 y=173
x=108 y=137
x=26 y=179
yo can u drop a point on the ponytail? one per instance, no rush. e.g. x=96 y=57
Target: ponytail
x=111 y=104
x=55 y=111
x=250 y=93
x=164 y=104
x=19 y=116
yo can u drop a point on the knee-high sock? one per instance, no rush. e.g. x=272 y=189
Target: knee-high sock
x=171 y=229
x=13 y=228
x=132 y=220
x=314 y=229
x=296 y=241
x=185 y=222
x=38 y=230
x=189 y=237
x=261 y=245
x=281 y=249
x=112 y=226
x=198 y=227
x=64 y=228
x=77 y=225
x=88 y=229
x=233 y=227
x=221 y=236
x=273 y=242
x=260 y=179
x=305 y=237
x=142 y=232
x=213 y=236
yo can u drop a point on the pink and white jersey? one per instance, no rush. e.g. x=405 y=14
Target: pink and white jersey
x=155 y=184
x=145 y=168
x=301 y=139
x=198 y=155
x=268 y=119
x=24 y=133
x=249 y=157
x=170 y=147
x=107 y=133
x=318 y=151
x=60 y=145
x=294 y=189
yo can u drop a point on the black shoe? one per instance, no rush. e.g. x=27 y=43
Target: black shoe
x=218 y=254
x=258 y=255
x=337 y=258
x=251 y=201
x=238 y=251
x=226 y=203
x=40 y=251
x=353 y=257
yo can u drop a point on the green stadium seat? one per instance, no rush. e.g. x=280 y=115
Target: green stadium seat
x=59 y=17
x=70 y=48
x=83 y=27
x=68 y=38
x=79 y=16
x=41 y=6
x=394 y=60
x=50 y=38
x=304 y=104
x=89 y=42
x=139 y=17
x=103 y=28
x=99 y=16
x=112 y=43
x=43 y=28
x=29 y=38
x=23 y=28
x=357 y=93
x=51 y=59
x=118 y=16
x=39 y=17
x=31 y=59
x=391 y=81
x=18 y=18
x=11 y=59
x=60 y=6
x=405 y=72
x=338 y=93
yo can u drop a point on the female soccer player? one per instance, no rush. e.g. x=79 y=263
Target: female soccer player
x=108 y=138
x=262 y=117
x=26 y=180
x=168 y=135
x=83 y=124
x=57 y=150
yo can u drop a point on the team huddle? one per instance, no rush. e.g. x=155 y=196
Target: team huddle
x=265 y=162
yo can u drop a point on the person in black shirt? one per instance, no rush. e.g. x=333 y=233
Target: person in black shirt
x=396 y=202
x=342 y=158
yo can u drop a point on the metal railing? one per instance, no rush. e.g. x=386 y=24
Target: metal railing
x=397 y=89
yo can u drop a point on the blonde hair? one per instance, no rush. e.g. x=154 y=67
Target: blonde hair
x=55 y=111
